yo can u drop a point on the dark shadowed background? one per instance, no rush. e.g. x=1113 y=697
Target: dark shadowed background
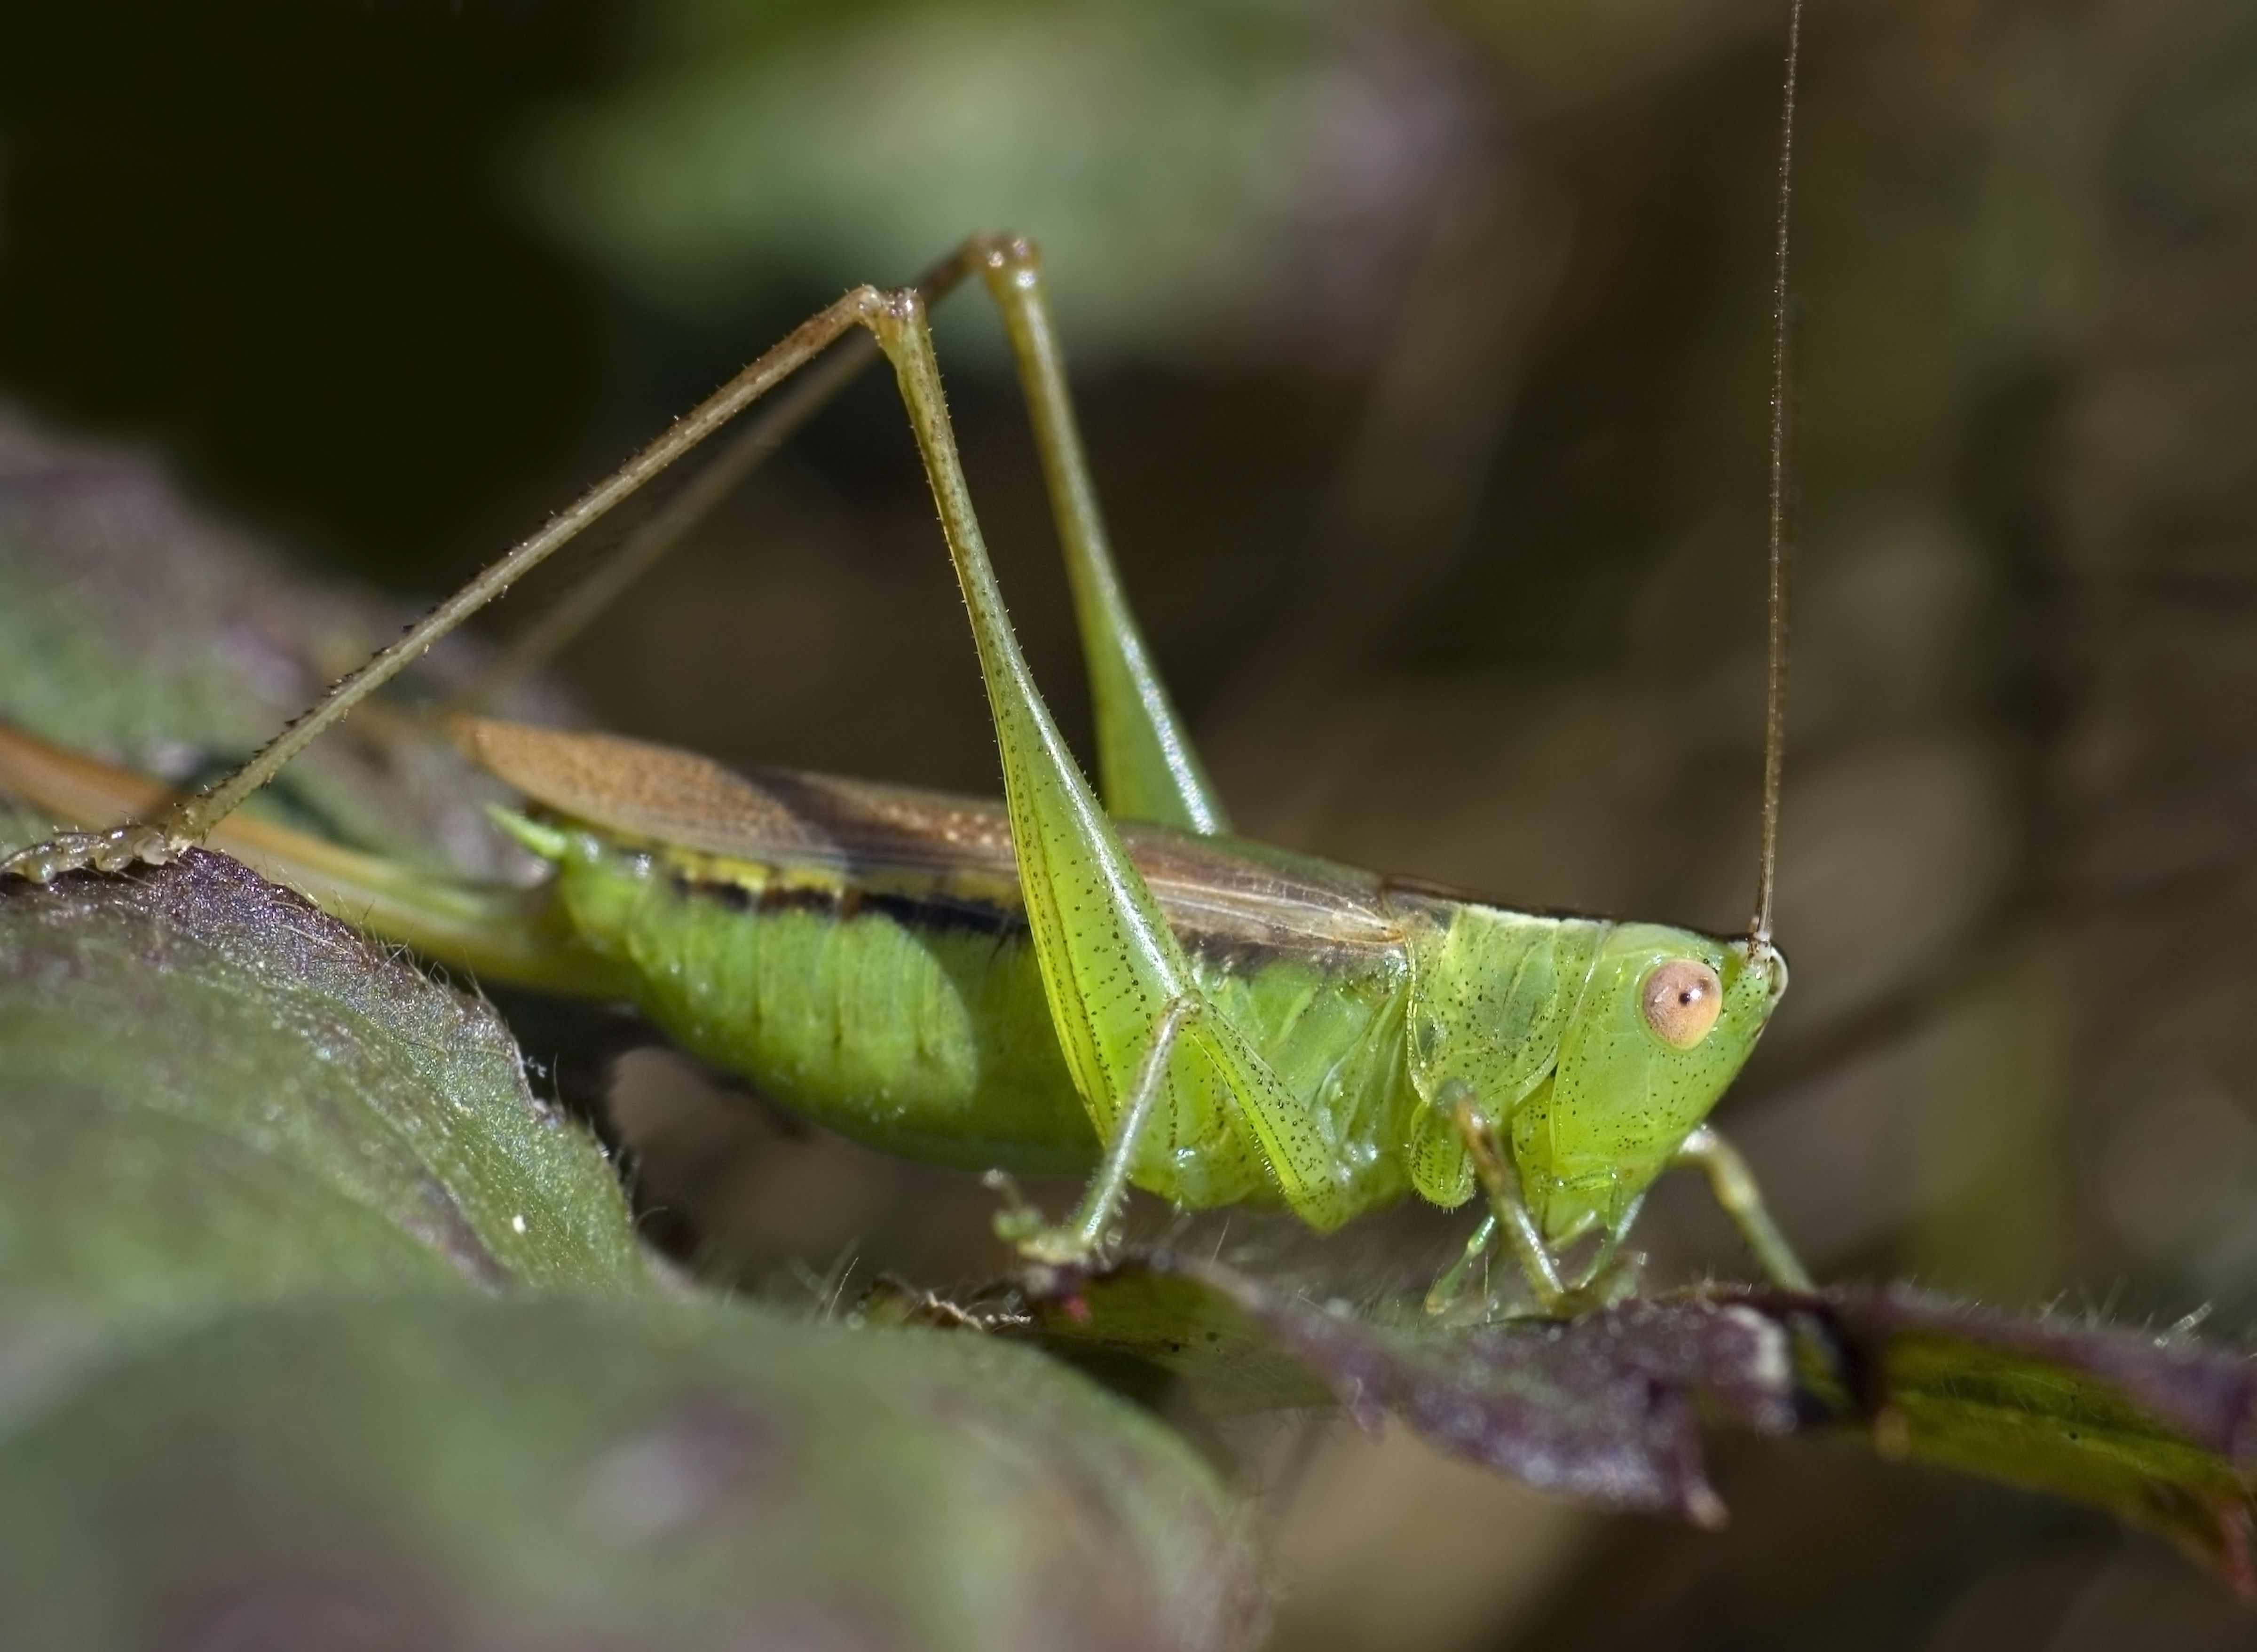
x=1421 y=348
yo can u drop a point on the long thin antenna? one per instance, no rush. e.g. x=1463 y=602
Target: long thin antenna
x=546 y=637
x=1775 y=599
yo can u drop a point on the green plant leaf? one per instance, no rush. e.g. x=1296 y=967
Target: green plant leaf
x=312 y=1316
x=214 y=1094
x=2160 y=1430
x=552 y=1471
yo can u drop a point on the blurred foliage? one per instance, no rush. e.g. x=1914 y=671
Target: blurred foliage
x=224 y=225
x=1174 y=156
x=568 y=1471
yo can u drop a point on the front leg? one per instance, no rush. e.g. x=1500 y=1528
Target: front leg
x=1509 y=1213
x=1736 y=1190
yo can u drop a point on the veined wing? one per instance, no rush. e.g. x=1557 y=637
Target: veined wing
x=906 y=842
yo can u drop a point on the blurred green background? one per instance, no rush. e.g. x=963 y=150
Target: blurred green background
x=1421 y=347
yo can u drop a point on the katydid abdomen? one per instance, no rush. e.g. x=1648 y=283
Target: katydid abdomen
x=918 y=1024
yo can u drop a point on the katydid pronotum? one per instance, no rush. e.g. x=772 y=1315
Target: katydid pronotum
x=1077 y=978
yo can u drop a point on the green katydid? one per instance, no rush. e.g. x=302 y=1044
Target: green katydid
x=1078 y=977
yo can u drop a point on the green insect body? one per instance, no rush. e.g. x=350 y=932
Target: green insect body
x=1051 y=982
x=920 y=1026
x=893 y=993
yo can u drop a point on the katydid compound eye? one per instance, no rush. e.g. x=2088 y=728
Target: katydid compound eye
x=1681 y=1001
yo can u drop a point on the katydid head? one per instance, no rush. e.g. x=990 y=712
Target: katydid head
x=1593 y=1048
x=1665 y=1019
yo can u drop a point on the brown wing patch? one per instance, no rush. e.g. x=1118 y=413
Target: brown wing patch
x=899 y=840
x=636 y=788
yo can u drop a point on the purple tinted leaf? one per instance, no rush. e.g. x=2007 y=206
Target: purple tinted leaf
x=1606 y=1409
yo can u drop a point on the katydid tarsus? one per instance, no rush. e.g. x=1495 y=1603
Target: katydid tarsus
x=1078 y=978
